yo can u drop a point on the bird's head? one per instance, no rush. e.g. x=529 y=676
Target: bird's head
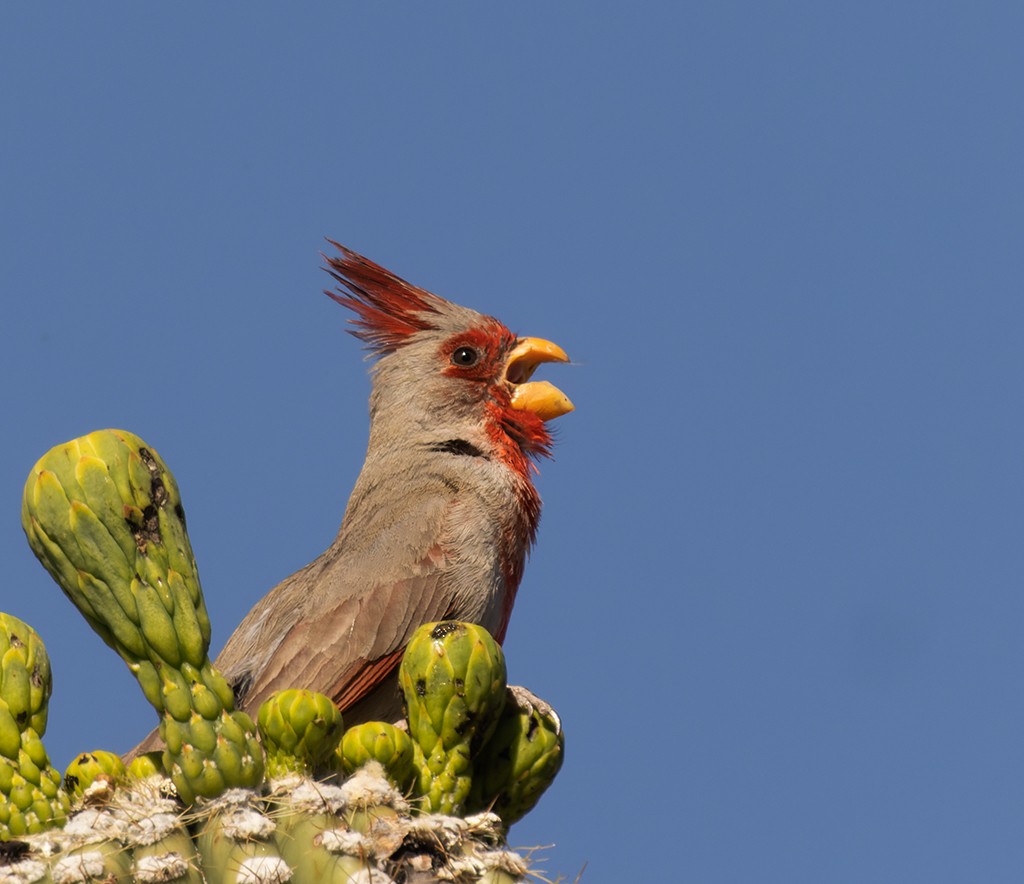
x=446 y=373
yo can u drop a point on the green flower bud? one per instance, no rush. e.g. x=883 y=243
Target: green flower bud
x=25 y=681
x=453 y=679
x=519 y=761
x=382 y=742
x=87 y=767
x=299 y=730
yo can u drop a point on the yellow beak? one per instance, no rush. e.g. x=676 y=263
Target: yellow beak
x=543 y=399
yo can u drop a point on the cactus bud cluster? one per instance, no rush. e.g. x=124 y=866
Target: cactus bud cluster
x=31 y=797
x=520 y=760
x=104 y=516
x=299 y=730
x=480 y=745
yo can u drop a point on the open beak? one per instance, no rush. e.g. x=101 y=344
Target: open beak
x=543 y=399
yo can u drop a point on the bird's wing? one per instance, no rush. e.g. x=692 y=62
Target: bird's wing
x=355 y=686
x=347 y=649
x=339 y=625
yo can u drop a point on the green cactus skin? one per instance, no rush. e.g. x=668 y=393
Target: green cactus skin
x=162 y=848
x=518 y=762
x=105 y=862
x=307 y=849
x=296 y=829
x=83 y=771
x=310 y=829
x=171 y=860
x=95 y=849
x=103 y=514
x=235 y=841
x=453 y=678
x=299 y=730
x=381 y=742
x=31 y=796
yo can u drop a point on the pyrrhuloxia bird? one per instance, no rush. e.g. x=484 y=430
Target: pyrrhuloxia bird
x=443 y=513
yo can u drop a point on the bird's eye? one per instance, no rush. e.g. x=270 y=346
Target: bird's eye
x=465 y=356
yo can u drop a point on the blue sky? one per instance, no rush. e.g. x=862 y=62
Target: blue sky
x=777 y=591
